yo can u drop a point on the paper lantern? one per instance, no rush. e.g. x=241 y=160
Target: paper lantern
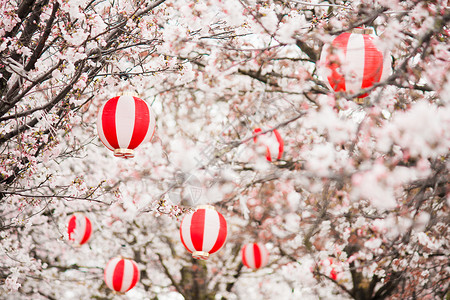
x=124 y=123
x=203 y=232
x=255 y=255
x=121 y=274
x=79 y=229
x=272 y=141
x=352 y=62
x=328 y=266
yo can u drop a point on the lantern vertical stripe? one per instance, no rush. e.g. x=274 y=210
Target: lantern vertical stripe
x=264 y=254
x=373 y=62
x=354 y=61
x=128 y=275
x=211 y=229
x=118 y=274
x=100 y=130
x=109 y=122
x=136 y=274
x=280 y=143
x=71 y=227
x=140 y=123
x=152 y=127
x=109 y=271
x=185 y=233
x=257 y=130
x=198 y=229
x=125 y=112
x=249 y=257
x=244 y=255
x=151 y=133
x=333 y=274
x=255 y=139
x=268 y=154
x=87 y=230
x=257 y=256
x=339 y=46
x=222 y=234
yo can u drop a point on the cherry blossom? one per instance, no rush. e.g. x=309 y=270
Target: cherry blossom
x=356 y=208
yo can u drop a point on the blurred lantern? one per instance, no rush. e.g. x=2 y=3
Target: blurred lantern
x=328 y=267
x=255 y=255
x=79 y=229
x=125 y=122
x=353 y=62
x=272 y=141
x=203 y=232
x=121 y=274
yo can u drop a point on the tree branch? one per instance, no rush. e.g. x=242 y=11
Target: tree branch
x=166 y=271
x=38 y=50
x=50 y=105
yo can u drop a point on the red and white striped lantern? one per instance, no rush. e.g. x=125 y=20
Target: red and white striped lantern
x=328 y=267
x=124 y=123
x=79 y=229
x=272 y=141
x=121 y=274
x=203 y=232
x=255 y=255
x=352 y=62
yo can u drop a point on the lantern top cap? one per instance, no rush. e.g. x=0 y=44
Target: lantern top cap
x=124 y=257
x=360 y=30
x=129 y=93
x=205 y=206
x=77 y=213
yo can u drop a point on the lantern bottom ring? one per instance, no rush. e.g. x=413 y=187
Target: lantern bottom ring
x=124 y=152
x=200 y=255
x=75 y=244
x=118 y=293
